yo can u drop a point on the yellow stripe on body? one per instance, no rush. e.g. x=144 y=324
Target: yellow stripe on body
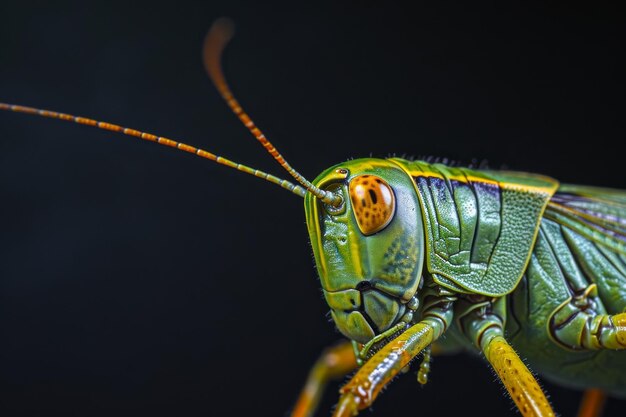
x=465 y=175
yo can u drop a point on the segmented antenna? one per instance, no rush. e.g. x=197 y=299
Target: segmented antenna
x=216 y=40
x=296 y=189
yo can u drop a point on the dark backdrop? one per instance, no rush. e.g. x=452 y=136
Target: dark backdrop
x=136 y=280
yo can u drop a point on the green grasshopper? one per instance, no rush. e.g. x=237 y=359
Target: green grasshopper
x=409 y=251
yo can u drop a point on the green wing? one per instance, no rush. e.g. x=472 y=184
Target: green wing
x=598 y=214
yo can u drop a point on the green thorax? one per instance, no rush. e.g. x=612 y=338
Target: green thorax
x=480 y=225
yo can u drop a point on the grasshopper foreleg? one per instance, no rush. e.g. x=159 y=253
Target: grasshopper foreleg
x=334 y=363
x=361 y=391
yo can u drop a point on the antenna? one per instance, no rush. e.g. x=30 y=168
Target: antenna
x=296 y=189
x=216 y=40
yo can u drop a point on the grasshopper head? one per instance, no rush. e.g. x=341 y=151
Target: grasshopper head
x=369 y=250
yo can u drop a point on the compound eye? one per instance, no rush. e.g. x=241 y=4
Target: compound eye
x=373 y=203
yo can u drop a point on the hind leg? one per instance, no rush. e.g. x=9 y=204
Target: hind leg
x=592 y=403
x=581 y=329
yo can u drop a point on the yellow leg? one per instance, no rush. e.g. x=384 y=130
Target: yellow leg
x=365 y=386
x=334 y=363
x=592 y=403
x=579 y=329
x=613 y=334
x=519 y=382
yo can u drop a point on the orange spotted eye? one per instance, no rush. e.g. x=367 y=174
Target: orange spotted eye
x=373 y=203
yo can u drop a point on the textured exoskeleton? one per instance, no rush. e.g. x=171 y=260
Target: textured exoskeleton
x=479 y=255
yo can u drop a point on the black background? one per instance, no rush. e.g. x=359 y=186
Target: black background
x=137 y=280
